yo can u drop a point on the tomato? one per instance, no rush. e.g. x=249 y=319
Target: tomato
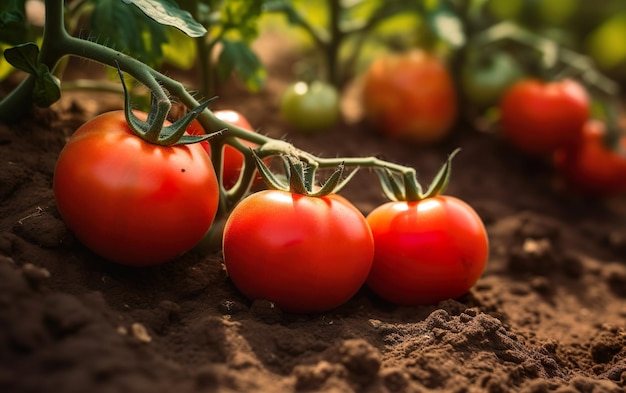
x=306 y=254
x=130 y=201
x=232 y=158
x=485 y=78
x=539 y=117
x=426 y=251
x=311 y=107
x=591 y=167
x=410 y=96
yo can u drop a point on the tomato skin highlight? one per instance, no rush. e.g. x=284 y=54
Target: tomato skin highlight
x=426 y=251
x=410 y=96
x=539 y=117
x=590 y=167
x=306 y=254
x=130 y=201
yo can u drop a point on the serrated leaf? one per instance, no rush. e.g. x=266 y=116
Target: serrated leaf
x=167 y=12
x=237 y=57
x=24 y=57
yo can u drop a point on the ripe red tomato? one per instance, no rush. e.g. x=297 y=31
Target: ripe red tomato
x=426 y=251
x=539 y=117
x=232 y=158
x=130 y=201
x=410 y=96
x=591 y=167
x=306 y=254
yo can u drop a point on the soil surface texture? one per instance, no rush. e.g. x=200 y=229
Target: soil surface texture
x=548 y=314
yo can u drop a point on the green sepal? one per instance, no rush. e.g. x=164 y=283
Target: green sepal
x=266 y=175
x=412 y=189
x=297 y=182
x=390 y=185
x=300 y=177
x=441 y=180
x=334 y=183
x=153 y=131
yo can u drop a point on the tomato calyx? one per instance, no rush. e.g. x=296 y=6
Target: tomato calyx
x=153 y=131
x=299 y=177
x=407 y=188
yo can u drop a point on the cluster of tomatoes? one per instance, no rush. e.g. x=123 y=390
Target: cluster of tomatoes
x=552 y=119
x=141 y=204
x=541 y=118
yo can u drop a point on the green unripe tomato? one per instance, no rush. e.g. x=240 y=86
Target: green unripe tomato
x=484 y=79
x=310 y=107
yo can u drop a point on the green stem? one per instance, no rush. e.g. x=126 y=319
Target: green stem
x=334 y=43
x=57 y=44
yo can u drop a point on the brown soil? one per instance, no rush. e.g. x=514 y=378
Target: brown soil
x=547 y=315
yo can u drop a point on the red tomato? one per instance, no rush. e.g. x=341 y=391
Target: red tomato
x=306 y=254
x=426 y=251
x=130 y=201
x=232 y=158
x=410 y=96
x=539 y=117
x=591 y=167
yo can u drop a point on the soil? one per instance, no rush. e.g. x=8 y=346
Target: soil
x=548 y=314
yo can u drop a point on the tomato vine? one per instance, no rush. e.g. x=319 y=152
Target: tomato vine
x=41 y=87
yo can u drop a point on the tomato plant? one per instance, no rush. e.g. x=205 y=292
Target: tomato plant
x=304 y=253
x=130 y=201
x=590 y=167
x=539 y=117
x=485 y=77
x=411 y=96
x=310 y=107
x=426 y=251
x=232 y=158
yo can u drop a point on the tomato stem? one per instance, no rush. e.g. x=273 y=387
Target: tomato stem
x=58 y=44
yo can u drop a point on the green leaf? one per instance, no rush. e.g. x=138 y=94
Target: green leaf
x=180 y=50
x=131 y=33
x=237 y=57
x=5 y=67
x=446 y=25
x=284 y=7
x=240 y=18
x=167 y=12
x=14 y=27
x=24 y=57
x=47 y=89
